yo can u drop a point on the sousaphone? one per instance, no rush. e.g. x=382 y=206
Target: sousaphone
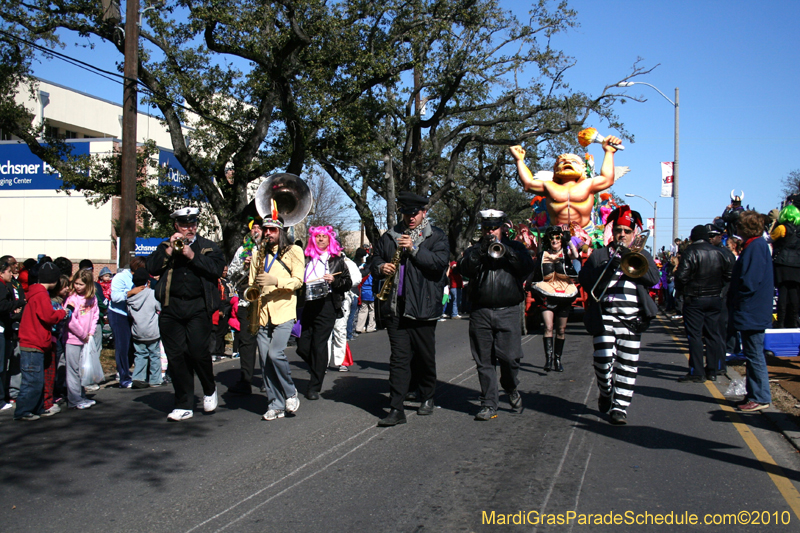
x=292 y=196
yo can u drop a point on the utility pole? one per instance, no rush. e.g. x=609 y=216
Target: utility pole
x=127 y=217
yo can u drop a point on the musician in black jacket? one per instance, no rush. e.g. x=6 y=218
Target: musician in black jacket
x=414 y=305
x=326 y=280
x=701 y=275
x=621 y=315
x=496 y=277
x=189 y=295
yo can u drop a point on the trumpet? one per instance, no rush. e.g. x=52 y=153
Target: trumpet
x=180 y=243
x=497 y=250
x=632 y=263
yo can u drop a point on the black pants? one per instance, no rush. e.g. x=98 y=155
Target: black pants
x=318 y=319
x=245 y=344
x=788 y=304
x=185 y=327
x=495 y=338
x=413 y=344
x=701 y=321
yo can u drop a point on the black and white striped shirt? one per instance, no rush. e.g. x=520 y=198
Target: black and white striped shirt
x=621 y=298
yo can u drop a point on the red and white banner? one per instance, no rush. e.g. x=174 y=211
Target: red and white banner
x=651 y=224
x=666 y=179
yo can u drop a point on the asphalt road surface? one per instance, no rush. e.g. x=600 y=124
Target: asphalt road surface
x=121 y=466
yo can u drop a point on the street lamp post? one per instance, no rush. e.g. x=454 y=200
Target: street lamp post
x=676 y=105
x=654 y=205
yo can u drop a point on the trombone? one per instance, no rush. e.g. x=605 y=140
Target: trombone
x=632 y=263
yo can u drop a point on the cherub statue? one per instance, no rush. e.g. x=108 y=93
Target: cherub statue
x=570 y=195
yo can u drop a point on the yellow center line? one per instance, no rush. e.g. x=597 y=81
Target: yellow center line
x=775 y=472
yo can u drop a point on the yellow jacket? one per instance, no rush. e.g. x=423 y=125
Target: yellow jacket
x=278 y=303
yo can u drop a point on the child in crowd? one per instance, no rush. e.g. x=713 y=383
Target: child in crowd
x=36 y=342
x=143 y=309
x=80 y=330
x=104 y=279
x=55 y=378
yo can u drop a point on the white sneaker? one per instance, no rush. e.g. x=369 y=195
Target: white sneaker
x=92 y=388
x=180 y=414
x=6 y=406
x=90 y=402
x=273 y=414
x=52 y=411
x=292 y=404
x=344 y=369
x=210 y=402
x=87 y=404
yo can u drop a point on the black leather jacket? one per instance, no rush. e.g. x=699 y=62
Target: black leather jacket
x=496 y=283
x=786 y=250
x=703 y=271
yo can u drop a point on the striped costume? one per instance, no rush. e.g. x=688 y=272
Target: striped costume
x=616 y=351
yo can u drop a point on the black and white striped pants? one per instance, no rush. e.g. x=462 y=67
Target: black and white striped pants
x=616 y=361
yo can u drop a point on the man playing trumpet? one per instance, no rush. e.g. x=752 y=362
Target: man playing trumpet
x=189 y=295
x=621 y=315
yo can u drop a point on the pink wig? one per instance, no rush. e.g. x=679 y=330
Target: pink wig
x=334 y=248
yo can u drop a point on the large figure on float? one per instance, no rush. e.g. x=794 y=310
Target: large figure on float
x=570 y=195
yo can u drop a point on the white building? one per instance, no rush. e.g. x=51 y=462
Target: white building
x=38 y=219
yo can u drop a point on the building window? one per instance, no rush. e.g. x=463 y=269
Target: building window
x=70 y=134
x=5 y=136
x=50 y=131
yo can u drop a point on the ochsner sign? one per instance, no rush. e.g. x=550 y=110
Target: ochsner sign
x=20 y=169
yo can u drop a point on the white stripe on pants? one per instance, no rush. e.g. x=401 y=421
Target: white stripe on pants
x=337 y=342
x=616 y=362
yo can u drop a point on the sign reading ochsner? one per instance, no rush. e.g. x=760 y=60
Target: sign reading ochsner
x=21 y=170
x=145 y=247
x=175 y=174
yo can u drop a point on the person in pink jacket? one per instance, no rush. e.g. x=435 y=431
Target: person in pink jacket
x=80 y=330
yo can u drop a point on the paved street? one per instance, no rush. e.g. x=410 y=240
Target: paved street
x=121 y=467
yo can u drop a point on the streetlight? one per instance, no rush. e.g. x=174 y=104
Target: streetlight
x=654 y=205
x=676 y=105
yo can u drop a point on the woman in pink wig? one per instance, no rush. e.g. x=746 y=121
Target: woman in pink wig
x=326 y=281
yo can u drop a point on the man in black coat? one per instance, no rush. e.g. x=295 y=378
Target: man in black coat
x=414 y=304
x=189 y=296
x=497 y=268
x=618 y=318
x=701 y=275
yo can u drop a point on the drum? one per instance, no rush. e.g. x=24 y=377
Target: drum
x=556 y=292
x=317 y=290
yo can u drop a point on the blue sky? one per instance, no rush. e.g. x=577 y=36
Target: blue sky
x=735 y=63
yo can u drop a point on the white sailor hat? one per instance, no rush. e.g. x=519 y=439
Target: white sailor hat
x=186 y=214
x=492 y=217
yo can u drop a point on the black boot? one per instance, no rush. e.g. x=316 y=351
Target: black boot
x=548 y=353
x=558 y=350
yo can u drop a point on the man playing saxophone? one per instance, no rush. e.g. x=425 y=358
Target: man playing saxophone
x=414 y=306
x=276 y=269
x=621 y=315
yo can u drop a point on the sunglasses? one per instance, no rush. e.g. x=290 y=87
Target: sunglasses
x=626 y=231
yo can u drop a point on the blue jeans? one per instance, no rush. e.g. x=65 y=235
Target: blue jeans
x=272 y=341
x=351 y=320
x=757 y=379
x=452 y=304
x=121 y=326
x=147 y=356
x=31 y=391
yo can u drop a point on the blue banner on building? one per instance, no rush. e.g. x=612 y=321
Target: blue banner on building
x=176 y=176
x=145 y=247
x=21 y=170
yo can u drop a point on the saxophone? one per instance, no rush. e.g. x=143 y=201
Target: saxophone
x=253 y=293
x=389 y=283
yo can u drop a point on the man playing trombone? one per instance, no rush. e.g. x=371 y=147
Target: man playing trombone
x=620 y=309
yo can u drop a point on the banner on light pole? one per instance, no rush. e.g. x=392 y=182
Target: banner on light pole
x=666 y=179
x=651 y=224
